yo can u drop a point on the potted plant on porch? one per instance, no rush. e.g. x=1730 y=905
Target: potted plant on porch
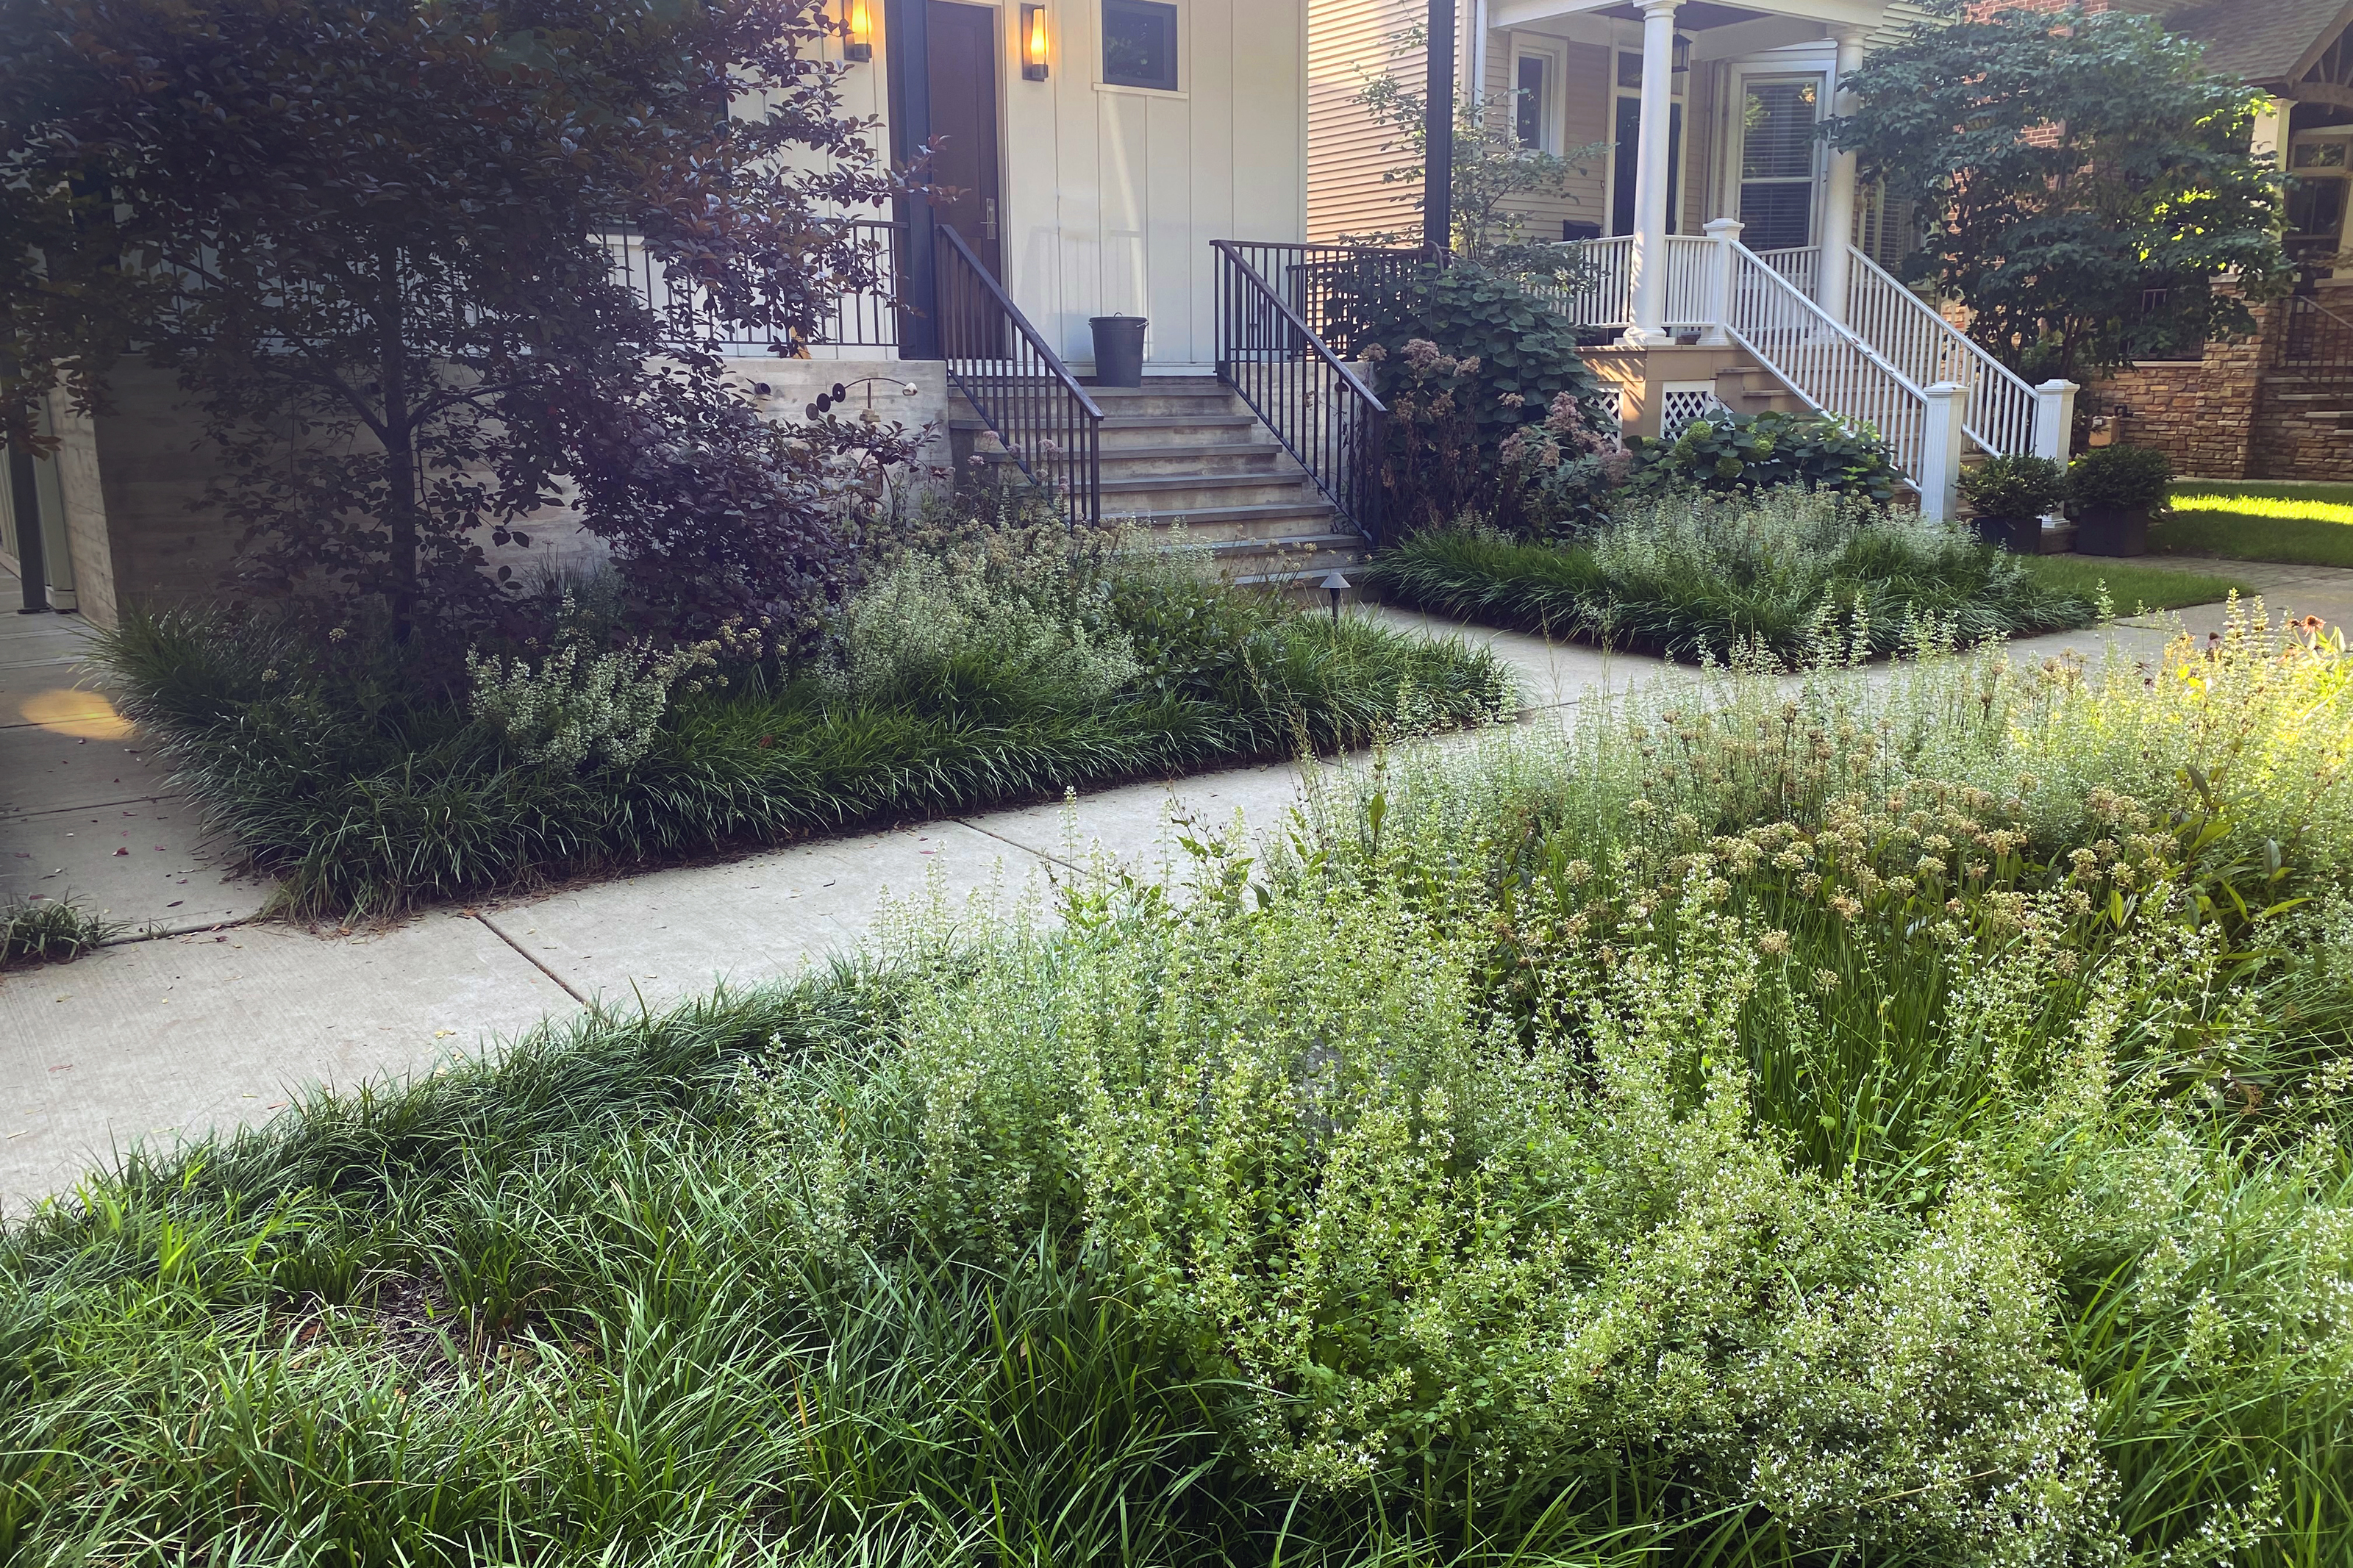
x=2111 y=491
x=2010 y=497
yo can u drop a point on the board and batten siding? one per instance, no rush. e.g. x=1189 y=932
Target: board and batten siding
x=1113 y=194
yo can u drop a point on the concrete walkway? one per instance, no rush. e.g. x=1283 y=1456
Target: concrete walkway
x=222 y=1020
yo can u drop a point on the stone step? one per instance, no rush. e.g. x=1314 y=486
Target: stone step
x=1300 y=550
x=1221 y=525
x=1163 y=399
x=1304 y=514
x=1304 y=585
x=1130 y=433
x=1227 y=460
x=1190 y=492
x=1222 y=458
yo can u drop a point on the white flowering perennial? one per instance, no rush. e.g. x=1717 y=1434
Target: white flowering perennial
x=577 y=706
x=924 y=612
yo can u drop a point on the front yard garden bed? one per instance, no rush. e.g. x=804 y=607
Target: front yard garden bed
x=1788 y=573
x=987 y=679
x=1903 y=1121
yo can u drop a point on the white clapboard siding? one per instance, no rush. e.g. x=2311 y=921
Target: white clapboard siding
x=1348 y=40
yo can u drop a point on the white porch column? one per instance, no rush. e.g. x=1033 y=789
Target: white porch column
x=1838 y=190
x=1726 y=232
x=2054 y=419
x=2271 y=133
x=1651 y=175
x=1942 y=439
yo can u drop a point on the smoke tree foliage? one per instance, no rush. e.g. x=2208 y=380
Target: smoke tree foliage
x=370 y=241
x=2069 y=162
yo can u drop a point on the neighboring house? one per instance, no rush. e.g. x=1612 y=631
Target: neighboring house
x=2279 y=404
x=1741 y=263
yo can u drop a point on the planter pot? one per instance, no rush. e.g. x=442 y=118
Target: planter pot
x=1119 y=350
x=2019 y=535
x=2112 y=530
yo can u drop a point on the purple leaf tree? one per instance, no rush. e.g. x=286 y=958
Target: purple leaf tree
x=377 y=247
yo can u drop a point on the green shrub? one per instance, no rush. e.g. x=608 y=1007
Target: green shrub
x=1746 y=453
x=1466 y=359
x=1796 y=575
x=2127 y=479
x=2009 y=488
x=577 y=704
x=365 y=794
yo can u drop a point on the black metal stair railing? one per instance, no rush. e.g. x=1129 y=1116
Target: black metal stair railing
x=2314 y=339
x=1275 y=304
x=861 y=317
x=1018 y=386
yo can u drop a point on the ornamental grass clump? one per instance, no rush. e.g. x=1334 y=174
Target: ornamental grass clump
x=49 y=931
x=1798 y=574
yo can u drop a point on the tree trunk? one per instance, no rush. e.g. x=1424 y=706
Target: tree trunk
x=399 y=447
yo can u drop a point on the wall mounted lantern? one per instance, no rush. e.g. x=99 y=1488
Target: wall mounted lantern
x=857 y=30
x=1679 y=58
x=1033 y=43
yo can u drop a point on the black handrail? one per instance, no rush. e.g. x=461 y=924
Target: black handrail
x=2315 y=338
x=1320 y=411
x=1018 y=384
x=865 y=318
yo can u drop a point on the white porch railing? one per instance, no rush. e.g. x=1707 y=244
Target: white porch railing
x=1830 y=368
x=1800 y=264
x=1893 y=362
x=1928 y=347
x=1714 y=283
x=1609 y=299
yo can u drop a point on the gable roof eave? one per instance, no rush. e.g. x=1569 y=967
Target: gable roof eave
x=2268 y=46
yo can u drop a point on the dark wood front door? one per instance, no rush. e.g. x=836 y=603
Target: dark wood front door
x=961 y=42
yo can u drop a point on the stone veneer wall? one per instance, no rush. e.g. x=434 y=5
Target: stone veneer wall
x=2297 y=442
x=2202 y=413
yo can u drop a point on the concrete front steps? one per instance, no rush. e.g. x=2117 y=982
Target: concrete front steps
x=1184 y=457
x=1747 y=388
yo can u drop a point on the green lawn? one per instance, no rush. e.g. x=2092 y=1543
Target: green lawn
x=2130 y=588
x=2304 y=524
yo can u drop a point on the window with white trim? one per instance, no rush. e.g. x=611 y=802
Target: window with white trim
x=1534 y=76
x=1779 y=155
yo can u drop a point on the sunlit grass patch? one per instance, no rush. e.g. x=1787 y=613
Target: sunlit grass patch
x=2303 y=525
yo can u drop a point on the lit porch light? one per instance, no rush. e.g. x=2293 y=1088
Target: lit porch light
x=857 y=30
x=1033 y=43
